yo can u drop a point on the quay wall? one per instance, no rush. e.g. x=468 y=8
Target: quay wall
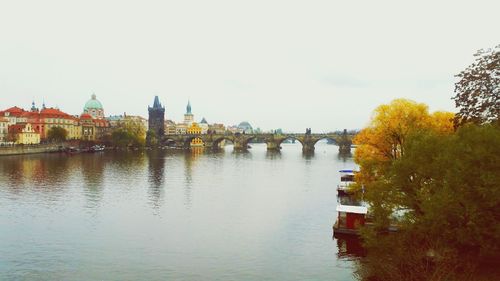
x=30 y=149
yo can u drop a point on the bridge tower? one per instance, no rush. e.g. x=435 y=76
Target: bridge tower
x=156 y=122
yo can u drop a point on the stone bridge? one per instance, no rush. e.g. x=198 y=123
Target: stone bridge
x=273 y=141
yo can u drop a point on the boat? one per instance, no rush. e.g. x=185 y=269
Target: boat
x=346 y=180
x=72 y=150
x=97 y=148
x=349 y=219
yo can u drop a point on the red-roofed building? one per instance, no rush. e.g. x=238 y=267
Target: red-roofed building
x=84 y=127
x=24 y=134
x=14 y=115
x=53 y=117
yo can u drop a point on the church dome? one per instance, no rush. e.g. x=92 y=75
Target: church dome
x=93 y=103
x=245 y=127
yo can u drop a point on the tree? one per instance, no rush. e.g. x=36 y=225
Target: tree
x=447 y=190
x=383 y=140
x=57 y=134
x=129 y=133
x=478 y=91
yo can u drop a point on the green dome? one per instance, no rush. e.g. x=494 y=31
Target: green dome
x=93 y=103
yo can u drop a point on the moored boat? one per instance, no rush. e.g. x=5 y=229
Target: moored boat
x=97 y=148
x=349 y=219
x=346 y=180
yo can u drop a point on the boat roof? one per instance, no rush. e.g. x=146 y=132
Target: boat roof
x=346 y=171
x=352 y=209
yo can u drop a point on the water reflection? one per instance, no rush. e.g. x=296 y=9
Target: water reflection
x=308 y=155
x=271 y=154
x=156 y=177
x=92 y=167
x=349 y=247
x=190 y=158
x=35 y=172
x=344 y=156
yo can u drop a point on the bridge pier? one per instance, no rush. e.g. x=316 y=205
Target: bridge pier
x=308 y=147
x=240 y=146
x=345 y=143
x=273 y=145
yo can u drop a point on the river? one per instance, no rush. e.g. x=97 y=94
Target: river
x=173 y=215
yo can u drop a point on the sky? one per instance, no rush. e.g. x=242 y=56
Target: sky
x=324 y=65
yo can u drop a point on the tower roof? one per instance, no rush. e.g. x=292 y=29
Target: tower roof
x=93 y=103
x=156 y=103
x=188 y=108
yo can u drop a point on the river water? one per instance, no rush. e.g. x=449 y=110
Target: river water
x=173 y=215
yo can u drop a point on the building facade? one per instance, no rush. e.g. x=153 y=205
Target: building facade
x=194 y=129
x=24 y=134
x=217 y=129
x=170 y=127
x=4 y=129
x=181 y=129
x=204 y=126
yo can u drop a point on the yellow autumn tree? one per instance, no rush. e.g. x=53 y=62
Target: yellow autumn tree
x=381 y=142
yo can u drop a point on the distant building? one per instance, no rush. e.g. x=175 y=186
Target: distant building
x=4 y=129
x=232 y=129
x=219 y=129
x=245 y=127
x=121 y=120
x=194 y=129
x=89 y=132
x=94 y=108
x=170 y=127
x=49 y=118
x=43 y=120
x=14 y=115
x=24 y=134
x=204 y=126
x=156 y=120
x=181 y=129
x=188 y=117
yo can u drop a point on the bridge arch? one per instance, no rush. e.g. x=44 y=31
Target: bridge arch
x=326 y=138
x=167 y=141
x=290 y=137
x=187 y=140
x=217 y=141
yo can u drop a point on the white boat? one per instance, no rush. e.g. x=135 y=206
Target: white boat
x=346 y=180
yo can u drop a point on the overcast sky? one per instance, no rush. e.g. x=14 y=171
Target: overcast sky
x=278 y=64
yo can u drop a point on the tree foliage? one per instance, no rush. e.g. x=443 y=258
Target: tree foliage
x=382 y=141
x=478 y=90
x=57 y=134
x=446 y=189
x=129 y=133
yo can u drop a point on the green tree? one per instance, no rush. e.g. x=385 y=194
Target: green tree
x=129 y=133
x=445 y=190
x=57 y=134
x=478 y=90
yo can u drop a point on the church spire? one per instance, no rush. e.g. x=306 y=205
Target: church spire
x=156 y=103
x=188 y=108
x=33 y=107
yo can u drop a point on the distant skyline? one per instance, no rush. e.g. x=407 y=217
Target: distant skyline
x=277 y=64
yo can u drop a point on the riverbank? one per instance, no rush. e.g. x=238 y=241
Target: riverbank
x=31 y=149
